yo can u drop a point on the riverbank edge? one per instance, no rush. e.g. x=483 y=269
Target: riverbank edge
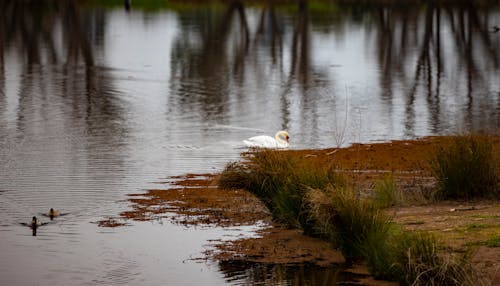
x=196 y=200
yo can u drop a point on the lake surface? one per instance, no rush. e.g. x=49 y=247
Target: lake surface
x=97 y=102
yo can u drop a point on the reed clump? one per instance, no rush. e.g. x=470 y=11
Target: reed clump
x=386 y=192
x=466 y=168
x=281 y=181
x=420 y=259
x=363 y=231
x=347 y=219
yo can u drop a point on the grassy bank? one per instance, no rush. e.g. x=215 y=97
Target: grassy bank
x=312 y=193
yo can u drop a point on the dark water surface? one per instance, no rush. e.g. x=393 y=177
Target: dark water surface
x=98 y=102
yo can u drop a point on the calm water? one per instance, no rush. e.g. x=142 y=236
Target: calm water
x=99 y=102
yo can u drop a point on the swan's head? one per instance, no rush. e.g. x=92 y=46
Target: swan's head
x=282 y=137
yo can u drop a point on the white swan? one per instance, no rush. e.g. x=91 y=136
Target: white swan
x=280 y=140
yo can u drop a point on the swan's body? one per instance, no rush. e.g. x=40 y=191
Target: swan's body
x=280 y=140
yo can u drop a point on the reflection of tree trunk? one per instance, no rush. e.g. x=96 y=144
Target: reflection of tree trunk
x=77 y=38
x=2 y=52
x=214 y=43
x=466 y=31
x=28 y=34
x=423 y=64
x=268 y=13
x=385 y=53
x=300 y=46
x=434 y=100
x=482 y=31
x=31 y=26
x=470 y=67
x=49 y=41
x=241 y=53
x=304 y=64
x=299 y=67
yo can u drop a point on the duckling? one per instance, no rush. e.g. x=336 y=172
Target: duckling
x=34 y=223
x=53 y=213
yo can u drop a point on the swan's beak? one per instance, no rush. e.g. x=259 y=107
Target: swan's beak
x=287 y=137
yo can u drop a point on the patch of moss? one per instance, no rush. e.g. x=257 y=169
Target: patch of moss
x=494 y=242
x=487 y=216
x=476 y=226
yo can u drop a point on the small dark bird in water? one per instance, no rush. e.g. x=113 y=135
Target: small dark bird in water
x=53 y=213
x=495 y=29
x=34 y=225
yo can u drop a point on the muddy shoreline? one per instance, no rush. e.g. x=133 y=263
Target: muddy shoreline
x=195 y=199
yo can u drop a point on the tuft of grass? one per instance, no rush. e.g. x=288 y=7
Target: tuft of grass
x=281 y=180
x=355 y=224
x=387 y=193
x=361 y=230
x=465 y=168
x=378 y=251
x=357 y=221
x=421 y=260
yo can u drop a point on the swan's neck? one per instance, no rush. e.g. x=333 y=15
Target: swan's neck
x=281 y=143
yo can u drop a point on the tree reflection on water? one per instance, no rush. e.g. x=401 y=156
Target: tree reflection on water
x=419 y=49
x=432 y=49
x=56 y=43
x=426 y=58
x=245 y=273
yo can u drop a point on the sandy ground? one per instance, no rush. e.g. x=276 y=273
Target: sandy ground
x=196 y=200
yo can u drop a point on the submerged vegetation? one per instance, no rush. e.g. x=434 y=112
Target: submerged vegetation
x=314 y=196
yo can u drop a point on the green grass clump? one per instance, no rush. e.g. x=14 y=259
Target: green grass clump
x=494 y=242
x=280 y=180
x=363 y=231
x=387 y=193
x=348 y=220
x=421 y=260
x=465 y=168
